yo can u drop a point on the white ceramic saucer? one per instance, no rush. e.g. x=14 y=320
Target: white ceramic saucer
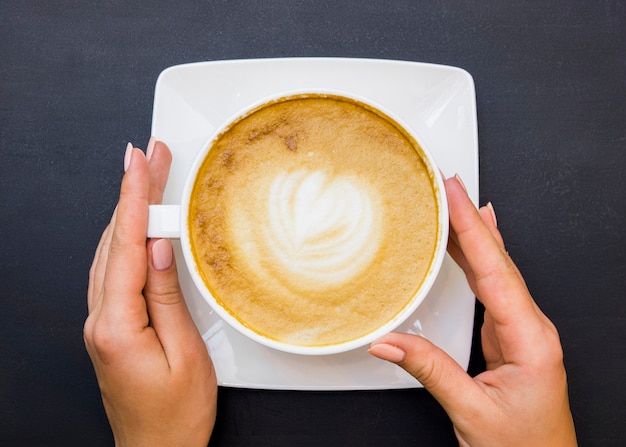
x=437 y=101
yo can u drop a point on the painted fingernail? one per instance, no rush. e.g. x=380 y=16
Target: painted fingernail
x=150 y=148
x=493 y=214
x=387 y=352
x=162 y=255
x=128 y=156
x=458 y=179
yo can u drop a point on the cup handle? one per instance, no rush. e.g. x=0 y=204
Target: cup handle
x=164 y=221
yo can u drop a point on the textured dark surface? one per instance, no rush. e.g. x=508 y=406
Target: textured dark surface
x=77 y=81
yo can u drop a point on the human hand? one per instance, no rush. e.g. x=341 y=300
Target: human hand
x=156 y=377
x=521 y=399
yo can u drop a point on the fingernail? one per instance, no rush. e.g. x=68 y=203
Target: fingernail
x=458 y=178
x=493 y=214
x=150 y=148
x=162 y=255
x=128 y=156
x=387 y=352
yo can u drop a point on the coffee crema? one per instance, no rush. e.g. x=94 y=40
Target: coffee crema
x=313 y=219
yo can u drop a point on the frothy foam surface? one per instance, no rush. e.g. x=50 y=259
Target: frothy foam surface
x=313 y=221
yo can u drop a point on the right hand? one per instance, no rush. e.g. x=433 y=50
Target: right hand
x=521 y=399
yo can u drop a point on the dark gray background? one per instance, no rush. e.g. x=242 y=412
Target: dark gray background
x=77 y=81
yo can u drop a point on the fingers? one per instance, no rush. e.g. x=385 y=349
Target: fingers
x=513 y=322
x=125 y=272
x=159 y=160
x=169 y=315
x=432 y=367
x=120 y=259
x=497 y=283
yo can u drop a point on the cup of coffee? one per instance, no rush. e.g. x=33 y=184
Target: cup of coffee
x=312 y=222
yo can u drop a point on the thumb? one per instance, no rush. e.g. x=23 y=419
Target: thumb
x=453 y=388
x=168 y=312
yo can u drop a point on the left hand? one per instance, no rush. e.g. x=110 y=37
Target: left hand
x=157 y=380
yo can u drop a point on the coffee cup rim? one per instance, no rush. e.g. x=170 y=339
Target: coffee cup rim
x=390 y=325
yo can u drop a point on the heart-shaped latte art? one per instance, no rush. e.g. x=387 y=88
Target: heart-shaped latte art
x=322 y=229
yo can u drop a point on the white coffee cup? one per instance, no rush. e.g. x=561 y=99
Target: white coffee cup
x=170 y=221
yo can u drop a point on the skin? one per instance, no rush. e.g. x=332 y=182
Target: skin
x=521 y=399
x=158 y=384
x=157 y=381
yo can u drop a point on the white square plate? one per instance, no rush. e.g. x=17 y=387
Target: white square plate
x=437 y=101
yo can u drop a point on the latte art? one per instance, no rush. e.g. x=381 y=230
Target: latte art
x=313 y=220
x=322 y=230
